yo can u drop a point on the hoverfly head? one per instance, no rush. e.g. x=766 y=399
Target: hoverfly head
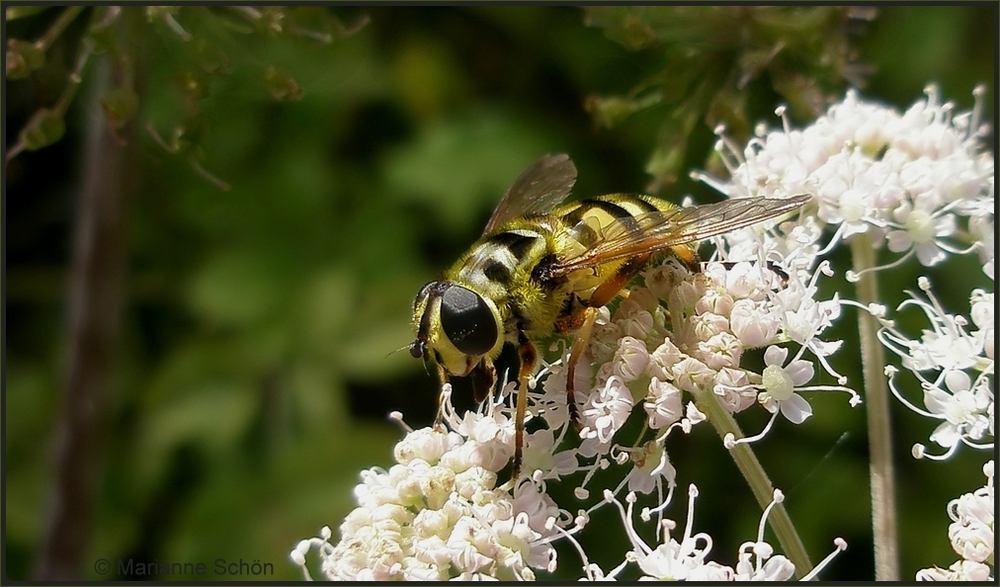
x=456 y=325
x=421 y=321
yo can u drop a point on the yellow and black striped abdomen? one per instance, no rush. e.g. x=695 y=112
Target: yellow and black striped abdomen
x=589 y=222
x=507 y=266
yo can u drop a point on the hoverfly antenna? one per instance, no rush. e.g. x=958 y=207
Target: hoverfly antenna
x=418 y=350
x=402 y=348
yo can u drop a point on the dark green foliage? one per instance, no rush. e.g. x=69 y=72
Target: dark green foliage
x=714 y=65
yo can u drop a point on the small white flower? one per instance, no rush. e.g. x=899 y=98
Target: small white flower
x=779 y=385
x=962 y=409
x=971 y=534
x=753 y=325
x=605 y=412
x=631 y=360
x=958 y=392
x=735 y=390
x=959 y=571
x=650 y=467
x=663 y=404
x=720 y=351
x=639 y=324
x=920 y=230
x=767 y=567
x=982 y=314
x=670 y=560
x=662 y=360
x=540 y=455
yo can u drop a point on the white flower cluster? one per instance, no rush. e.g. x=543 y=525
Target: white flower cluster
x=960 y=394
x=649 y=357
x=687 y=559
x=972 y=536
x=437 y=514
x=903 y=179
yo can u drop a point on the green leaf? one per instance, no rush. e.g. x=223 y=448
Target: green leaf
x=188 y=137
x=44 y=128
x=23 y=57
x=611 y=111
x=16 y=12
x=280 y=85
x=120 y=106
x=196 y=84
x=623 y=24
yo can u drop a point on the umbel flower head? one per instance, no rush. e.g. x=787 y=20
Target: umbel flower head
x=954 y=365
x=442 y=511
x=438 y=514
x=915 y=182
x=972 y=535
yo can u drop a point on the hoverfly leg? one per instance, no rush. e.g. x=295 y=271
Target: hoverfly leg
x=579 y=345
x=771 y=266
x=439 y=418
x=584 y=320
x=528 y=355
x=484 y=378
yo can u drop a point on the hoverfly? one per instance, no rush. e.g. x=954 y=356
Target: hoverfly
x=541 y=268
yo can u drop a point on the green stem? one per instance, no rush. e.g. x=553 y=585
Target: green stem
x=759 y=482
x=65 y=18
x=883 y=492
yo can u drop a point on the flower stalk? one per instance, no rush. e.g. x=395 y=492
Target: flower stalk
x=751 y=469
x=883 y=491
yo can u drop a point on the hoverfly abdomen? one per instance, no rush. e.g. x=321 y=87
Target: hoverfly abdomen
x=620 y=209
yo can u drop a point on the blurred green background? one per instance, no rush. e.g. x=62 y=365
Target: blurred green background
x=255 y=362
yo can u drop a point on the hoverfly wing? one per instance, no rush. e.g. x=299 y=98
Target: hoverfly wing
x=661 y=230
x=539 y=189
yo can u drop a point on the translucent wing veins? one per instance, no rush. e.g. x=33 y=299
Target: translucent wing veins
x=540 y=188
x=662 y=230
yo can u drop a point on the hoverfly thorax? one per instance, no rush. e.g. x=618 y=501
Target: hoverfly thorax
x=456 y=326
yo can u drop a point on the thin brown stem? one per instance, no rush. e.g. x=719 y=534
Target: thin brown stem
x=883 y=491
x=94 y=306
x=65 y=18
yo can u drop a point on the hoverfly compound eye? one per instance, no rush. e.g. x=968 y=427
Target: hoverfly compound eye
x=468 y=321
